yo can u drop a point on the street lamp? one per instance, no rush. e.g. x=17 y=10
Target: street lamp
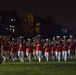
x=64 y=30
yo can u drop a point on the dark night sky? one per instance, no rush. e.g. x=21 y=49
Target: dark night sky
x=63 y=11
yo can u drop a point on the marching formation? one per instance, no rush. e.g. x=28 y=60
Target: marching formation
x=38 y=48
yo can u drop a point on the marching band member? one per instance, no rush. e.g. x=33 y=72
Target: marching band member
x=5 y=53
x=39 y=48
x=46 y=50
x=71 y=47
x=29 y=50
x=21 y=49
x=53 y=46
x=34 y=49
x=58 y=48
x=13 y=52
x=0 y=48
x=64 y=48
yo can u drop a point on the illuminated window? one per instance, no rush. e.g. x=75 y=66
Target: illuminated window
x=7 y=29
x=10 y=29
x=10 y=26
x=13 y=30
x=12 y=19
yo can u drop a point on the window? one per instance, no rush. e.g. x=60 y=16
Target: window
x=12 y=19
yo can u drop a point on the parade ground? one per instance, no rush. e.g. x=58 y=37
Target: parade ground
x=38 y=68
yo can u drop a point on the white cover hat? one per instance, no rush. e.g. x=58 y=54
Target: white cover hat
x=58 y=36
x=64 y=36
x=47 y=39
x=28 y=39
x=71 y=36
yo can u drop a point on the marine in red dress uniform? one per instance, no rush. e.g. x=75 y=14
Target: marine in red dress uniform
x=58 y=48
x=13 y=51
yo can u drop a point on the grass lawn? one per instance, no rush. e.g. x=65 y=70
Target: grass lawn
x=38 y=68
